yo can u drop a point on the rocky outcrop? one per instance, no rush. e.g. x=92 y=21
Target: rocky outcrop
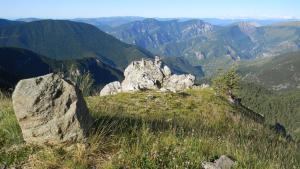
x=50 y=110
x=223 y=162
x=111 y=88
x=145 y=75
x=149 y=75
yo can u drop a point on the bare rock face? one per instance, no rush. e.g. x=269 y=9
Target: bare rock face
x=111 y=89
x=149 y=75
x=179 y=82
x=50 y=110
x=223 y=162
x=143 y=75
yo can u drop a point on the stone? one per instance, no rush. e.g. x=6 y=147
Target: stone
x=204 y=86
x=50 y=110
x=179 y=82
x=144 y=75
x=223 y=162
x=167 y=71
x=111 y=89
x=2 y=166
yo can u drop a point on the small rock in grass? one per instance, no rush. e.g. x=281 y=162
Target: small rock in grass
x=223 y=162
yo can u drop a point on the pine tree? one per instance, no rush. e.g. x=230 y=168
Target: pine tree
x=226 y=83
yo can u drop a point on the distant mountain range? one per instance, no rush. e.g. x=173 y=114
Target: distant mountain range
x=59 y=39
x=197 y=39
x=209 y=45
x=118 y=21
x=187 y=46
x=57 y=45
x=199 y=42
x=121 y=20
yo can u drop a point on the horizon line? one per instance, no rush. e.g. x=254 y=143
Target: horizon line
x=157 y=17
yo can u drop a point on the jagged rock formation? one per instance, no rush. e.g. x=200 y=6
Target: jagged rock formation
x=145 y=74
x=149 y=75
x=223 y=162
x=50 y=110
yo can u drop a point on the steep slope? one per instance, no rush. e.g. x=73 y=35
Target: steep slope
x=60 y=39
x=279 y=73
x=17 y=64
x=277 y=106
x=278 y=39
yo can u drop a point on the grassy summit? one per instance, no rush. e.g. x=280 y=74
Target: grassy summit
x=156 y=130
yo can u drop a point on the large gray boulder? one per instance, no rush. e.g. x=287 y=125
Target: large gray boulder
x=50 y=110
x=111 y=89
x=223 y=162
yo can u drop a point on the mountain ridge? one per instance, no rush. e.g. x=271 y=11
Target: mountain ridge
x=203 y=44
x=79 y=41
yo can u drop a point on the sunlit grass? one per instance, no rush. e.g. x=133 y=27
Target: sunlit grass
x=162 y=130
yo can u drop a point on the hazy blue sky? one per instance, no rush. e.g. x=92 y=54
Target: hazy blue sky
x=149 y=8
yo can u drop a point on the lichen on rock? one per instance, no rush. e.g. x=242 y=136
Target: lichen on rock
x=50 y=110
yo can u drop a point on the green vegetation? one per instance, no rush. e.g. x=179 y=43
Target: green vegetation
x=271 y=87
x=226 y=83
x=280 y=73
x=278 y=107
x=84 y=81
x=61 y=39
x=12 y=148
x=159 y=130
x=16 y=64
